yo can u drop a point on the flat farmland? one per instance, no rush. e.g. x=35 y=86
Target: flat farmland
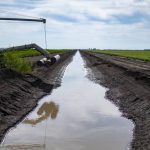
x=136 y=54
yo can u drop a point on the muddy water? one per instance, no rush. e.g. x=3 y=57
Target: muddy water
x=76 y=116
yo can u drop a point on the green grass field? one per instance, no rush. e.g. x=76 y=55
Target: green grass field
x=136 y=54
x=29 y=52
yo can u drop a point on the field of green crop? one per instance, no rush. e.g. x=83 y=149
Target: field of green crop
x=30 y=52
x=136 y=54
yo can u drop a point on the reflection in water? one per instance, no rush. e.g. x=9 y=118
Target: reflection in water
x=48 y=109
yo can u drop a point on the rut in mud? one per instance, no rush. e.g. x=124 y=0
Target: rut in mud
x=75 y=116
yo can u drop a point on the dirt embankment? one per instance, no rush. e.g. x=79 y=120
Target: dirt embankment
x=20 y=93
x=128 y=82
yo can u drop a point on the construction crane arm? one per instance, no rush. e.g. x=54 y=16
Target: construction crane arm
x=25 y=19
x=48 y=59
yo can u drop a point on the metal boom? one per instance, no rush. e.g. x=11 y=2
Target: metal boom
x=25 y=19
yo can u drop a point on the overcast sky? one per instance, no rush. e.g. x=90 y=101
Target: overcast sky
x=121 y=24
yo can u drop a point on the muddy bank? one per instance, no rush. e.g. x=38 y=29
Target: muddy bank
x=20 y=93
x=128 y=82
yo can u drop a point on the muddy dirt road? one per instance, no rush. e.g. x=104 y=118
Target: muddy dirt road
x=128 y=82
x=19 y=93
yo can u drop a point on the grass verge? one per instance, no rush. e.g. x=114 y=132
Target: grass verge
x=135 y=54
x=30 y=52
x=15 y=63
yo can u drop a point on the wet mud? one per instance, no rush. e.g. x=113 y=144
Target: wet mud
x=75 y=116
x=19 y=93
x=128 y=82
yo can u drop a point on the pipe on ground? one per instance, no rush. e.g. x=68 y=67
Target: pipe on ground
x=46 y=60
x=50 y=61
x=28 y=46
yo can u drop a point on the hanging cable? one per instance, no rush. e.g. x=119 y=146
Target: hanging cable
x=45 y=35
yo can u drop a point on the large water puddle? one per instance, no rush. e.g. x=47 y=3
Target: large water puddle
x=76 y=116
